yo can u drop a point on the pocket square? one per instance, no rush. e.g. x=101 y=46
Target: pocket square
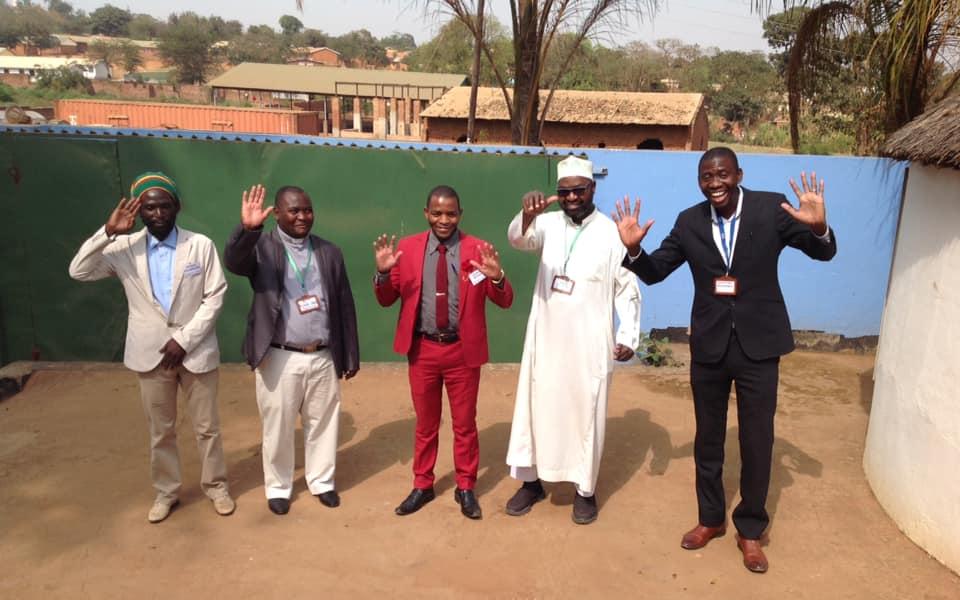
x=192 y=270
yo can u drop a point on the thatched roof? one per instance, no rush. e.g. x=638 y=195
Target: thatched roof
x=570 y=106
x=933 y=138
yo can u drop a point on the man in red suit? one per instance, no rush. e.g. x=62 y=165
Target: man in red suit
x=442 y=277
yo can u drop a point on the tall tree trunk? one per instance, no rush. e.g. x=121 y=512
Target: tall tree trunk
x=526 y=98
x=475 y=74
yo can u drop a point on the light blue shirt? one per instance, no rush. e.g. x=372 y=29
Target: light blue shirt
x=160 y=264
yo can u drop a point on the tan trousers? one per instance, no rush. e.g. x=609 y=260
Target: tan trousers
x=288 y=384
x=158 y=390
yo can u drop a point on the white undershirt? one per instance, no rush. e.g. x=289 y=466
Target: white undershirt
x=718 y=221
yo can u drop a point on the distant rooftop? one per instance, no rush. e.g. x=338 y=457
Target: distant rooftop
x=341 y=81
x=39 y=62
x=570 y=106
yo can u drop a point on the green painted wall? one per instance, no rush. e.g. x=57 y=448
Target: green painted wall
x=56 y=190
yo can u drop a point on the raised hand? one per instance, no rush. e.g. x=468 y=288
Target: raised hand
x=628 y=224
x=534 y=203
x=812 y=211
x=252 y=212
x=123 y=217
x=489 y=263
x=385 y=253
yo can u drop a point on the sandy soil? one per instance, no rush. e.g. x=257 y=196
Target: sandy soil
x=74 y=493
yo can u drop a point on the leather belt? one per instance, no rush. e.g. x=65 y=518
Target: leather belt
x=441 y=338
x=304 y=349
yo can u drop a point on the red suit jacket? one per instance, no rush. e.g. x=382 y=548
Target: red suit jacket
x=405 y=282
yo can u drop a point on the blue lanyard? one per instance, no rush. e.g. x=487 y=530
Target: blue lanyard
x=727 y=251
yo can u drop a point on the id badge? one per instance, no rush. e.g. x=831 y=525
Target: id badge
x=308 y=303
x=476 y=277
x=725 y=286
x=562 y=284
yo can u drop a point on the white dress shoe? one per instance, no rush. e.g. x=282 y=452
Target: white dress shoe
x=161 y=510
x=224 y=505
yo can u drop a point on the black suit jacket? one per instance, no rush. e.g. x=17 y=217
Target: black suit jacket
x=259 y=256
x=758 y=310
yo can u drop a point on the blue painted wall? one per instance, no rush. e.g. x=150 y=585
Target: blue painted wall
x=862 y=195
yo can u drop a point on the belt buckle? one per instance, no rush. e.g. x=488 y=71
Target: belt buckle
x=445 y=337
x=310 y=348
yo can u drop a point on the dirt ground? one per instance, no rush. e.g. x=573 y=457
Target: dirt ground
x=75 y=490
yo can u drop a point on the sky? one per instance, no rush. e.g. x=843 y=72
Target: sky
x=725 y=24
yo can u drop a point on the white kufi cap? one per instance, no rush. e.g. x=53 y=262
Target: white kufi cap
x=572 y=166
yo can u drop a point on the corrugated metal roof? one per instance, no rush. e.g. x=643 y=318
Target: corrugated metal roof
x=298 y=140
x=572 y=106
x=39 y=62
x=336 y=80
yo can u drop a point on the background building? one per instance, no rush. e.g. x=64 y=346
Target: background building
x=654 y=121
x=351 y=102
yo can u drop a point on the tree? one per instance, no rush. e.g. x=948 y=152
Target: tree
x=907 y=41
x=129 y=56
x=535 y=25
x=31 y=25
x=361 y=48
x=260 y=44
x=451 y=50
x=290 y=25
x=311 y=37
x=104 y=50
x=187 y=46
x=224 y=30
x=399 y=41
x=110 y=21
x=144 y=27
x=742 y=86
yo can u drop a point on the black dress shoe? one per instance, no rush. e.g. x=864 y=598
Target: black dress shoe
x=329 y=499
x=528 y=495
x=279 y=506
x=415 y=501
x=584 y=509
x=468 y=503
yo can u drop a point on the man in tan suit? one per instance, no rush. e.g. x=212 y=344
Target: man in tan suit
x=175 y=287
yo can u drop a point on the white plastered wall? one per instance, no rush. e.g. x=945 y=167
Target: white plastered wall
x=912 y=456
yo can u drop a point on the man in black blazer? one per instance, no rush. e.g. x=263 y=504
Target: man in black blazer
x=739 y=326
x=301 y=338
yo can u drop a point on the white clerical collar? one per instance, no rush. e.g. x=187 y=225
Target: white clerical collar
x=289 y=240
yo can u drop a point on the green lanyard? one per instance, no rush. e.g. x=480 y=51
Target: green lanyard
x=566 y=259
x=296 y=270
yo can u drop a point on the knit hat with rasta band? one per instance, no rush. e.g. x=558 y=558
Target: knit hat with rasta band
x=152 y=180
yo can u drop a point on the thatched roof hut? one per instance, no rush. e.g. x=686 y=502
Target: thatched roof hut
x=933 y=138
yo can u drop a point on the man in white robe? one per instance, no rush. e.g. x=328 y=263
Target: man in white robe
x=561 y=408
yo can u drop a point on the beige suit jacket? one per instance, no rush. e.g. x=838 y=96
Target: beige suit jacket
x=198 y=290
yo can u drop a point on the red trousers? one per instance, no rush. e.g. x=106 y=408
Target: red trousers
x=431 y=365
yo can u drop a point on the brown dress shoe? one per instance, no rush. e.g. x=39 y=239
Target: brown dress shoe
x=753 y=558
x=698 y=537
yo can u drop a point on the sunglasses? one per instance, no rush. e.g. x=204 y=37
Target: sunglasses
x=563 y=192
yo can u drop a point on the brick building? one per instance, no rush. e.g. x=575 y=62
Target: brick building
x=663 y=121
x=309 y=57
x=365 y=103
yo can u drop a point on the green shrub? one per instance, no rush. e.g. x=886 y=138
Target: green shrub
x=6 y=93
x=63 y=79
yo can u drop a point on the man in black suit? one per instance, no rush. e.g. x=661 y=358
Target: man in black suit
x=301 y=338
x=739 y=326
